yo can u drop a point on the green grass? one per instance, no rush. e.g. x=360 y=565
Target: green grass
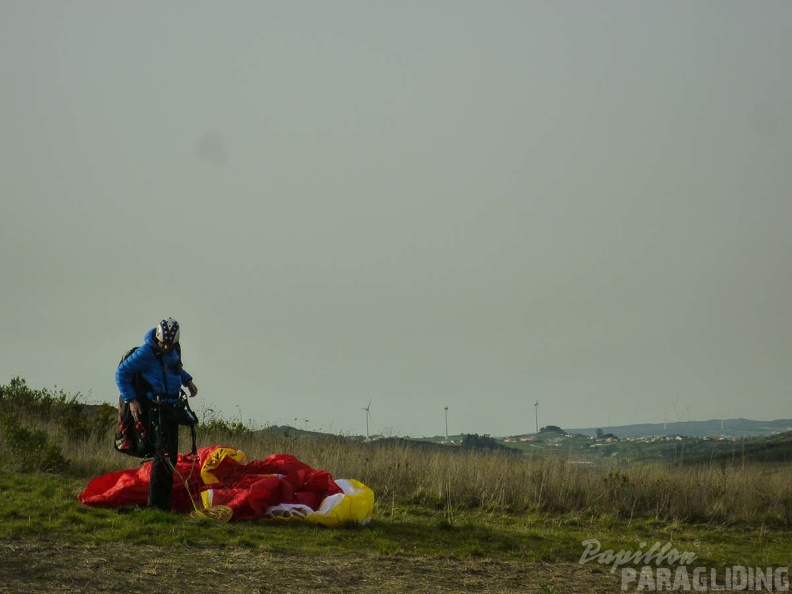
x=44 y=507
x=37 y=433
x=456 y=508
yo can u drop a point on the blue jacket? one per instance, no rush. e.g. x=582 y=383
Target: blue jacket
x=166 y=378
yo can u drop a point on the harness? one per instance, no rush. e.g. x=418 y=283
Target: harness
x=178 y=406
x=142 y=441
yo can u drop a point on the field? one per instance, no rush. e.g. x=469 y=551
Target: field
x=447 y=519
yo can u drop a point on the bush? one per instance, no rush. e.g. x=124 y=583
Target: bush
x=483 y=442
x=17 y=397
x=30 y=450
x=213 y=425
x=79 y=424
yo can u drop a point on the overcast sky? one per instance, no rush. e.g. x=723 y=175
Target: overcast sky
x=469 y=204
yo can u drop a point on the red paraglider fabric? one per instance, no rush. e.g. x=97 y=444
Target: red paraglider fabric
x=248 y=488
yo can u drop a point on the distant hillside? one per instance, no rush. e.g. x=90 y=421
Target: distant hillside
x=293 y=432
x=713 y=428
x=773 y=449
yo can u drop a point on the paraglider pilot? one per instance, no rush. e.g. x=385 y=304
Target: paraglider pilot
x=158 y=363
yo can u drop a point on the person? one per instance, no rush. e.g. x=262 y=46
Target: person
x=158 y=363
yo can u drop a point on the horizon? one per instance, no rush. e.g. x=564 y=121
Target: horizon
x=570 y=429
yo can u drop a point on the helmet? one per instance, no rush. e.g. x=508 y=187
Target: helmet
x=168 y=331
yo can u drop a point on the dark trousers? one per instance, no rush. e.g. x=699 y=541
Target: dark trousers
x=166 y=442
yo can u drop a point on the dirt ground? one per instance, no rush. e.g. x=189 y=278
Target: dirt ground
x=33 y=568
x=27 y=567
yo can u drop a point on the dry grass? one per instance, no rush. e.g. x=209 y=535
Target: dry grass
x=452 y=478
x=439 y=525
x=32 y=568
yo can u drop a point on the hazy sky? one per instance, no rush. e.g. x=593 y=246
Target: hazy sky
x=423 y=204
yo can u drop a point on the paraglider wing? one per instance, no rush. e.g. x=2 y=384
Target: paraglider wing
x=279 y=487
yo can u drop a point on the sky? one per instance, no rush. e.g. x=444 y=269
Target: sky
x=463 y=204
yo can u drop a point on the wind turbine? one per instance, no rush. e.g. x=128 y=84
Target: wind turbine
x=368 y=415
x=446 y=419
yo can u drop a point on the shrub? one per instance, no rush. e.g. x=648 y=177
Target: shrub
x=30 y=450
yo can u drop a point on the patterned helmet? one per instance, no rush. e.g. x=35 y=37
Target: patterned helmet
x=168 y=331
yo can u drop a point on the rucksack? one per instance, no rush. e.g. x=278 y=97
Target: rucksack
x=136 y=439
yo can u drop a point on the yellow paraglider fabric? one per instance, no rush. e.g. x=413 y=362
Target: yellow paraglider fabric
x=354 y=505
x=215 y=459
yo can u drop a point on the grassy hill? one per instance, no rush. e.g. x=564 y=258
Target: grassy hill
x=775 y=449
x=712 y=428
